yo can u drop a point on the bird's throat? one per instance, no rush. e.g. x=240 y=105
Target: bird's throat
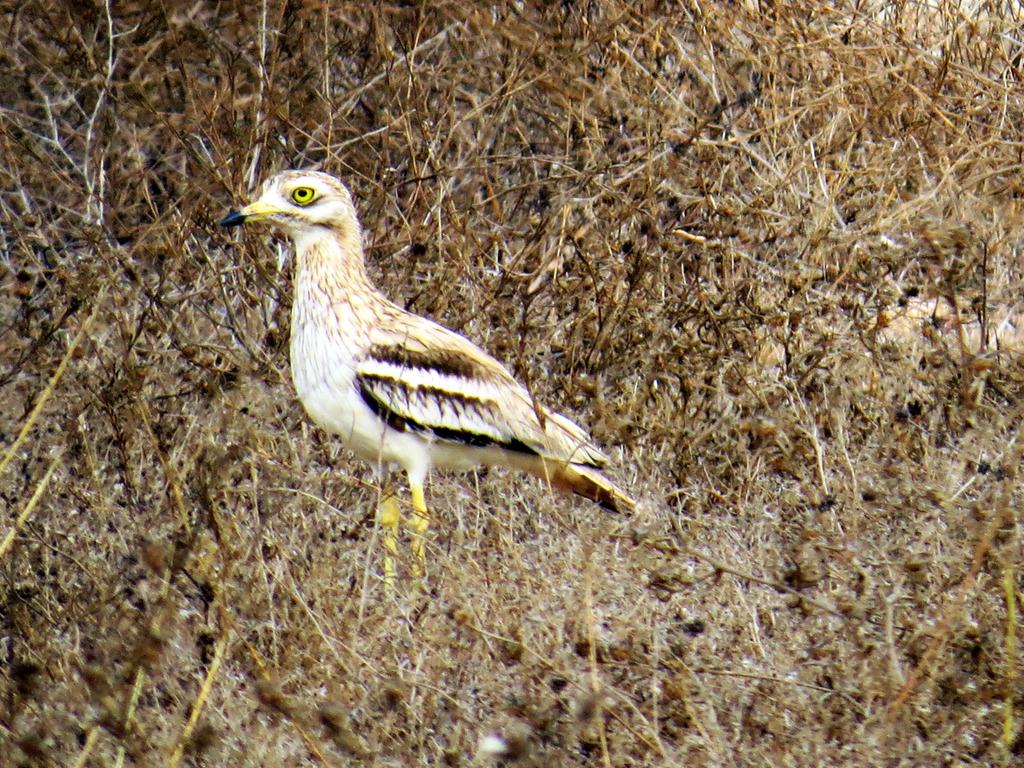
x=330 y=261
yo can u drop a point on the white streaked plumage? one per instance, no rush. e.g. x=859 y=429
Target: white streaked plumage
x=396 y=387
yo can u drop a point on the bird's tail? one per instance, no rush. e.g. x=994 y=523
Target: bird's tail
x=581 y=479
x=591 y=484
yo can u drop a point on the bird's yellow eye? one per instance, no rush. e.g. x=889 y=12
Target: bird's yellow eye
x=303 y=195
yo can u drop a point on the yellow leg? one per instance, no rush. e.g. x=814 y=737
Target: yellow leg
x=419 y=524
x=389 y=515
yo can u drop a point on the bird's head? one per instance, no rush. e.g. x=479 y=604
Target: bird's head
x=298 y=202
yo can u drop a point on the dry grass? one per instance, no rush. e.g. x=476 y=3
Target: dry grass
x=691 y=226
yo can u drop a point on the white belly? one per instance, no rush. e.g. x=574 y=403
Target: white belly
x=323 y=371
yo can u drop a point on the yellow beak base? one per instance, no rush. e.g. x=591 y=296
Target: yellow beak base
x=252 y=212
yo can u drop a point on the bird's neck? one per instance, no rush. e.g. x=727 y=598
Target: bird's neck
x=332 y=262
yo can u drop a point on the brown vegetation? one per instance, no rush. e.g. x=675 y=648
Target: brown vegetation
x=690 y=226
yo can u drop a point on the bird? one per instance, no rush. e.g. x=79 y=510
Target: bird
x=398 y=388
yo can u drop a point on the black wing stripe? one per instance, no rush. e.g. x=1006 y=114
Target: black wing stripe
x=402 y=423
x=444 y=362
x=381 y=411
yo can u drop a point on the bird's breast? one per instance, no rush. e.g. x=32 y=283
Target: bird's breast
x=323 y=358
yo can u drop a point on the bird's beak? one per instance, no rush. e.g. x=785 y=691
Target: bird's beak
x=233 y=219
x=252 y=212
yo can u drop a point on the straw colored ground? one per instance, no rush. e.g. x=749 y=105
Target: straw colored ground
x=728 y=238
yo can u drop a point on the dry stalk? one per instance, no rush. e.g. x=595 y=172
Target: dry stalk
x=50 y=388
